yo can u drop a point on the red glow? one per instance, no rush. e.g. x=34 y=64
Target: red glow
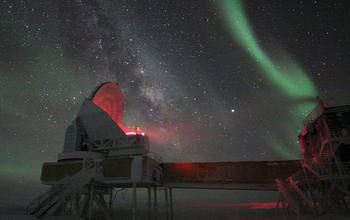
x=136 y=131
x=127 y=131
x=130 y=133
x=110 y=98
x=232 y=206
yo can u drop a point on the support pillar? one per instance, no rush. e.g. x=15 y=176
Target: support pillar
x=155 y=203
x=91 y=200
x=101 y=203
x=134 y=200
x=75 y=201
x=171 y=203
x=166 y=202
x=84 y=205
x=110 y=199
x=149 y=202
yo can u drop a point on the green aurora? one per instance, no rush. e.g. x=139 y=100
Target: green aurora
x=287 y=77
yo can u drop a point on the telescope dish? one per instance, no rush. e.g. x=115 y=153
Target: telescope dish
x=109 y=97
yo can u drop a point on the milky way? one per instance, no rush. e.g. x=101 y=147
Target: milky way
x=206 y=80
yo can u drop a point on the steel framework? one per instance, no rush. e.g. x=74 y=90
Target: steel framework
x=323 y=186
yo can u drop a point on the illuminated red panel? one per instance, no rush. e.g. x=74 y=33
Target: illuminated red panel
x=110 y=98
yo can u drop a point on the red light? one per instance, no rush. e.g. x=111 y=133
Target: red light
x=136 y=131
x=130 y=133
x=109 y=97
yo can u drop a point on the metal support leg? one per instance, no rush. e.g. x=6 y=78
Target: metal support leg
x=134 y=201
x=73 y=202
x=101 y=203
x=110 y=199
x=155 y=203
x=171 y=203
x=84 y=205
x=149 y=202
x=166 y=202
x=91 y=200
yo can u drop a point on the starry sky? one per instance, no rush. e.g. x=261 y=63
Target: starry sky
x=206 y=80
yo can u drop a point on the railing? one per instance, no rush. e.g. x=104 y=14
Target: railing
x=335 y=102
x=325 y=166
x=302 y=159
x=293 y=182
x=47 y=194
x=317 y=166
x=323 y=134
x=305 y=162
x=155 y=156
x=62 y=189
x=346 y=166
x=33 y=205
x=315 y=113
x=124 y=141
x=337 y=132
x=323 y=197
x=285 y=196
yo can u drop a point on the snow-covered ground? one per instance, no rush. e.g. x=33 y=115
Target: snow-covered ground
x=244 y=211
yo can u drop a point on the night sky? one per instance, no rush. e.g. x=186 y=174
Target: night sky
x=206 y=80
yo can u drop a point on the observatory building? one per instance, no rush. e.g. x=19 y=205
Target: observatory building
x=100 y=155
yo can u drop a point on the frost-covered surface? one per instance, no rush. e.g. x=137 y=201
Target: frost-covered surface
x=244 y=211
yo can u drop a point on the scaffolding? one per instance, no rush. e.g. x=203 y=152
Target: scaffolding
x=323 y=186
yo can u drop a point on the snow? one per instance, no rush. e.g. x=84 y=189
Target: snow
x=245 y=211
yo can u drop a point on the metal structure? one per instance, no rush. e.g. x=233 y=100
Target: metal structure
x=323 y=185
x=100 y=155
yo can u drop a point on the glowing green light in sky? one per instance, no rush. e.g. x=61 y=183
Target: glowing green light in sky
x=291 y=79
x=283 y=73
